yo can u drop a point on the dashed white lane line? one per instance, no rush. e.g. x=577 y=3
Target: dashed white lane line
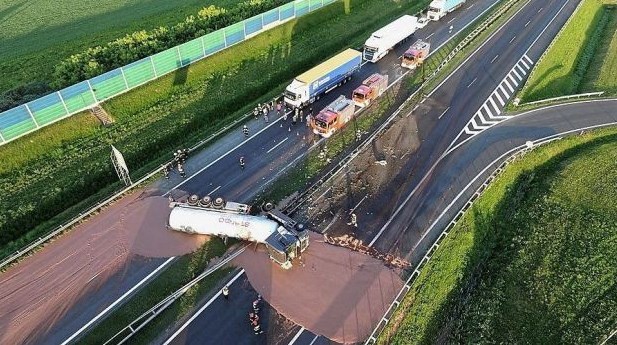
x=214 y=190
x=442 y=114
x=512 y=39
x=277 y=145
x=429 y=36
x=473 y=81
x=495 y=58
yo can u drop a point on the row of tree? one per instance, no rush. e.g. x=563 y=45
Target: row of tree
x=140 y=44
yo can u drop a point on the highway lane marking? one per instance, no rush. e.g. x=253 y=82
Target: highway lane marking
x=495 y=58
x=517 y=75
x=358 y=204
x=429 y=36
x=173 y=336
x=528 y=23
x=503 y=90
x=206 y=167
x=473 y=81
x=521 y=69
x=398 y=209
x=545 y=28
x=512 y=39
x=498 y=99
x=450 y=21
x=277 y=145
x=505 y=81
x=525 y=64
x=528 y=59
x=470 y=6
x=540 y=9
x=477 y=49
x=293 y=340
x=442 y=114
x=126 y=294
x=494 y=104
x=314 y=339
x=512 y=79
x=214 y=190
x=224 y=155
x=540 y=140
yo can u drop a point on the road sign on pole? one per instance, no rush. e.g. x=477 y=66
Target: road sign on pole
x=120 y=165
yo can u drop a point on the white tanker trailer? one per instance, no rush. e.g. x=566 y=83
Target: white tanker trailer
x=284 y=238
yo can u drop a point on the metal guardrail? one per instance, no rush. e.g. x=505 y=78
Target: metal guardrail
x=309 y=192
x=140 y=322
x=560 y=98
x=41 y=240
x=517 y=152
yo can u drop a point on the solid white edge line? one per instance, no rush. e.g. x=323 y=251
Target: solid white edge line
x=398 y=209
x=202 y=309
x=126 y=294
x=314 y=339
x=511 y=151
x=293 y=340
x=214 y=190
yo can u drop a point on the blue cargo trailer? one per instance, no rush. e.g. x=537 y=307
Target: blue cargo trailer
x=312 y=84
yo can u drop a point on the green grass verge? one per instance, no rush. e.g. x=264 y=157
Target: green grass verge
x=602 y=72
x=565 y=64
x=36 y=35
x=175 y=276
x=532 y=261
x=176 y=111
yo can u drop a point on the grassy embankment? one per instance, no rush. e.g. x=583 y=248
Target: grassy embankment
x=532 y=261
x=59 y=179
x=36 y=35
x=347 y=16
x=582 y=59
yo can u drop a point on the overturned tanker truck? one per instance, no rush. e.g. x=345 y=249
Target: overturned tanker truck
x=284 y=238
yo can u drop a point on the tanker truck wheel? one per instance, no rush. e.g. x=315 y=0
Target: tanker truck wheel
x=193 y=200
x=219 y=202
x=268 y=207
x=206 y=201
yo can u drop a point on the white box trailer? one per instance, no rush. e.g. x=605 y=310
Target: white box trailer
x=384 y=39
x=439 y=8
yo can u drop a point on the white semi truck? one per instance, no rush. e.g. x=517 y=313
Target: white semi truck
x=439 y=8
x=386 y=38
x=309 y=86
x=283 y=238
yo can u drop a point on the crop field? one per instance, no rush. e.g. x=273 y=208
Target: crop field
x=573 y=55
x=46 y=186
x=36 y=35
x=533 y=260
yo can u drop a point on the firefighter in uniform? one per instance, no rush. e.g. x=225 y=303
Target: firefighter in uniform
x=245 y=130
x=242 y=163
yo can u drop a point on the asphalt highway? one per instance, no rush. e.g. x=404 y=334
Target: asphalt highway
x=216 y=171
x=278 y=143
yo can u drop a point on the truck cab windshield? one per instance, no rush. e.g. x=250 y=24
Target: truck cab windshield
x=433 y=9
x=291 y=95
x=358 y=95
x=321 y=124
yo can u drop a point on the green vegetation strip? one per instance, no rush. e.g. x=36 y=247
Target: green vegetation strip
x=44 y=189
x=179 y=273
x=36 y=35
x=575 y=59
x=533 y=260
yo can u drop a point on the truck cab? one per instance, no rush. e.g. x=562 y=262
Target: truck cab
x=333 y=117
x=415 y=55
x=371 y=88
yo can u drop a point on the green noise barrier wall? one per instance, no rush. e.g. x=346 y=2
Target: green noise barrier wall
x=33 y=115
